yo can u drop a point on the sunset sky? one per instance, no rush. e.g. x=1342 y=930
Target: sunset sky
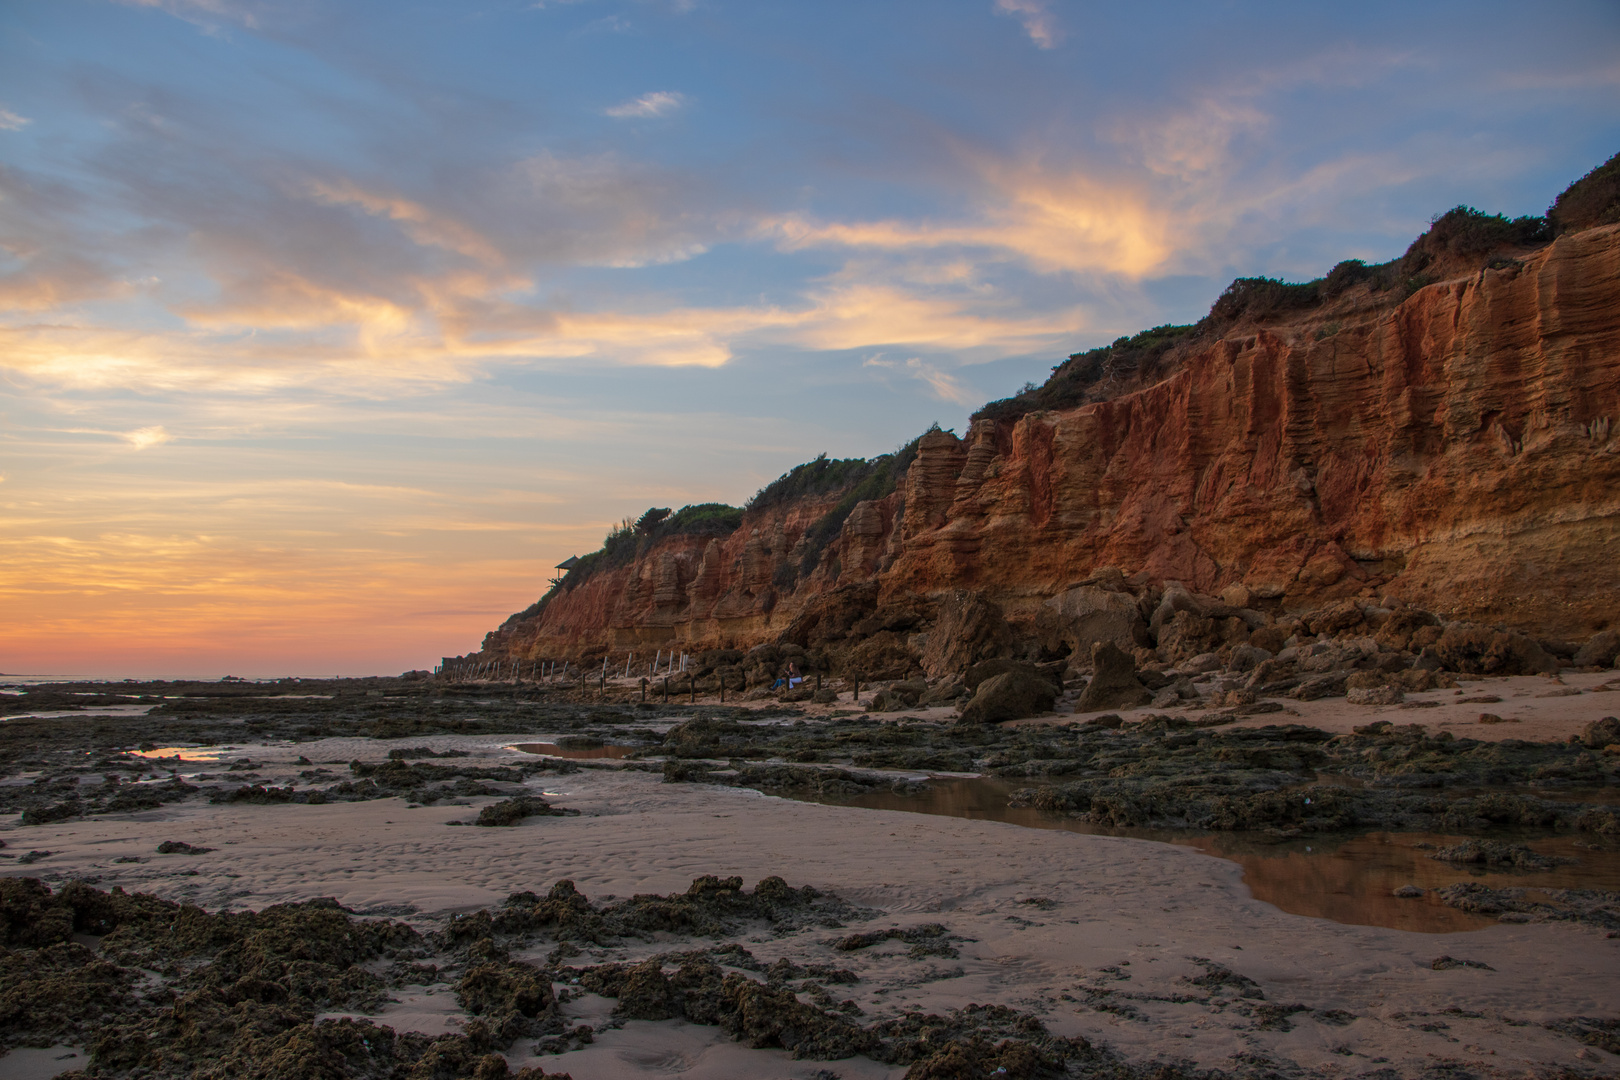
x=326 y=328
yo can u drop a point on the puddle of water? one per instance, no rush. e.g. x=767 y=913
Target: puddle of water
x=186 y=753
x=31 y=1063
x=94 y=710
x=1347 y=879
x=575 y=752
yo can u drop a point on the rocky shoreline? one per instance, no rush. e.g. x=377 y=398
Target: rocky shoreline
x=165 y=807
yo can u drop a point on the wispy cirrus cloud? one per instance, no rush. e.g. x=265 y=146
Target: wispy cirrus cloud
x=657 y=103
x=10 y=121
x=204 y=13
x=944 y=385
x=427 y=227
x=1039 y=22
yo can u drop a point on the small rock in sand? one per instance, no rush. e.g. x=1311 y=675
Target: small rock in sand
x=1446 y=963
x=1408 y=892
x=1376 y=695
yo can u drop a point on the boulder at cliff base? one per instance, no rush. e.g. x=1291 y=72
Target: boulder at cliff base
x=1012 y=695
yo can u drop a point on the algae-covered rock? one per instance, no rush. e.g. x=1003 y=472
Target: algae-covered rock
x=509 y=997
x=511 y=811
x=1494 y=853
x=762 y=1017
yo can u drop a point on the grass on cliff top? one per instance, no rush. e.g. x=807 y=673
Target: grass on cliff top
x=876 y=480
x=1461 y=233
x=630 y=537
x=859 y=479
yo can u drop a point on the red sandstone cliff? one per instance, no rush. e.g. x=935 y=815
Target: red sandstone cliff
x=1454 y=450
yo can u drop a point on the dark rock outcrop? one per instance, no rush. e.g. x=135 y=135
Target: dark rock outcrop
x=1012 y=695
x=1113 y=684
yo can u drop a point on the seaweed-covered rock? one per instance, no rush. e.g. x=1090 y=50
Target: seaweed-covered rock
x=762 y=1016
x=511 y=811
x=711 y=907
x=1593 y=907
x=976 y=1056
x=979 y=1040
x=1601 y=1032
x=1493 y=853
x=509 y=997
x=240 y=986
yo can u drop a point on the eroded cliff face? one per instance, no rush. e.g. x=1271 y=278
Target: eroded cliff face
x=1455 y=451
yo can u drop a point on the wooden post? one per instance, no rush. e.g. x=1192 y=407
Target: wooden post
x=666 y=689
x=818 y=682
x=643 y=691
x=722 y=689
x=857 y=689
x=692 y=685
x=604 y=684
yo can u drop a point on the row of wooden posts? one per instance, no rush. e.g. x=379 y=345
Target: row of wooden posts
x=455 y=669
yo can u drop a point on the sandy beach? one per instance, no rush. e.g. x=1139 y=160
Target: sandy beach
x=1155 y=950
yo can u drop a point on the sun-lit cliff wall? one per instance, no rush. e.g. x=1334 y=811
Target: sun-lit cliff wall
x=1455 y=449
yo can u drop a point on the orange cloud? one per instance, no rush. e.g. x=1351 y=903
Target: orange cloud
x=1064 y=221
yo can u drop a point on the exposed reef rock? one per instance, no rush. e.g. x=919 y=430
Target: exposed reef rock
x=1440 y=443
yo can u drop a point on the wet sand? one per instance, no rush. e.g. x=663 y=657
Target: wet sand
x=1098 y=936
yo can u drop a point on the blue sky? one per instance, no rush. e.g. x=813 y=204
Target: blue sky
x=326 y=329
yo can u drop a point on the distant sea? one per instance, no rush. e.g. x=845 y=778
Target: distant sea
x=34 y=680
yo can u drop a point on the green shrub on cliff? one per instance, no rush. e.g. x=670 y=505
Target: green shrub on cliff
x=629 y=538
x=865 y=479
x=1092 y=375
x=1592 y=200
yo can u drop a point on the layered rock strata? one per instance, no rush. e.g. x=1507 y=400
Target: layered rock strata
x=1455 y=452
